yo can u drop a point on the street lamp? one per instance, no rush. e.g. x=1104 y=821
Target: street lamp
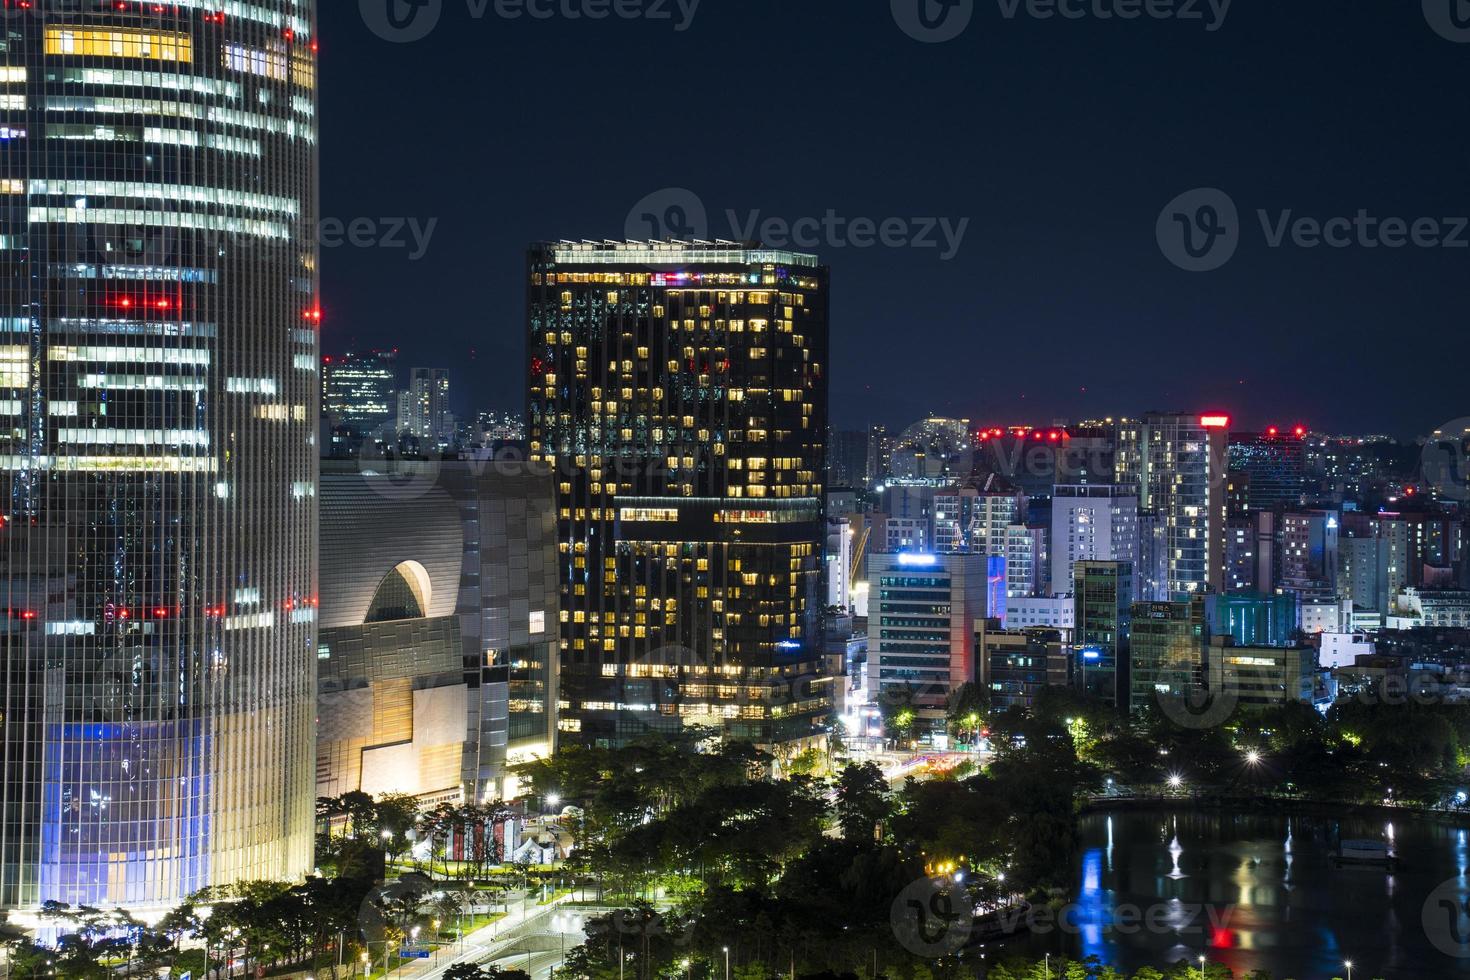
x=727 y=963
x=687 y=964
x=1201 y=968
x=1349 y=966
x=1046 y=965
x=1253 y=757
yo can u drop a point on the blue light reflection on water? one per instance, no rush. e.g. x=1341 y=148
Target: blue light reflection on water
x=1257 y=892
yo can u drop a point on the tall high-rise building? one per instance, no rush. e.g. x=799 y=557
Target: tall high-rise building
x=360 y=390
x=1103 y=598
x=423 y=409
x=160 y=360
x=1309 y=552
x=847 y=458
x=1273 y=466
x=1179 y=463
x=1092 y=522
x=680 y=390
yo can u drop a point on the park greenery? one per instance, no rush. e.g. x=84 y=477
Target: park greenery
x=337 y=923
x=703 y=852
x=718 y=855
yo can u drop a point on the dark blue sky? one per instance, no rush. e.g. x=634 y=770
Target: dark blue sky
x=1061 y=141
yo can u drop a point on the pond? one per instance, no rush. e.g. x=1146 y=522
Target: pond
x=1265 y=892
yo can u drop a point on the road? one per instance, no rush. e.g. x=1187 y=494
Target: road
x=535 y=933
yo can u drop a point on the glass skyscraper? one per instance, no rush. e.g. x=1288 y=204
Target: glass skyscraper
x=158 y=359
x=360 y=390
x=680 y=390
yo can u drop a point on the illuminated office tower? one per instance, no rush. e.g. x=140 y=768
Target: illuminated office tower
x=1179 y=465
x=922 y=617
x=423 y=409
x=1272 y=468
x=681 y=392
x=360 y=390
x=159 y=355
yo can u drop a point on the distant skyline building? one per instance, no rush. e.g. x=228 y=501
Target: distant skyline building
x=1092 y=522
x=360 y=389
x=159 y=367
x=423 y=409
x=1273 y=466
x=1179 y=463
x=1309 y=552
x=680 y=392
x=847 y=459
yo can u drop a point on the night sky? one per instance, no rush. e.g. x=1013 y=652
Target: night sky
x=1061 y=140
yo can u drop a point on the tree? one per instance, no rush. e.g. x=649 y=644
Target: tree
x=394 y=815
x=969 y=708
x=863 y=803
x=900 y=718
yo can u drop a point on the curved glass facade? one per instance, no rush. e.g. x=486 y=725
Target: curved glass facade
x=158 y=405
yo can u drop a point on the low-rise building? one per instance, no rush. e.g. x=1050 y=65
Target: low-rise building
x=437 y=651
x=1052 y=612
x=1016 y=665
x=1262 y=676
x=921 y=627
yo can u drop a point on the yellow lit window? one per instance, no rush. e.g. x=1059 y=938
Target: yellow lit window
x=120 y=43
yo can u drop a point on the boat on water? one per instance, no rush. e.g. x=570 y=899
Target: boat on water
x=1368 y=853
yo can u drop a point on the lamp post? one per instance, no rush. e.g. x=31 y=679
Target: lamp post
x=1201 y=968
x=727 y=963
x=1349 y=966
x=1046 y=965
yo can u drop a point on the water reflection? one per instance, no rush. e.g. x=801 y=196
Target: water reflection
x=1258 y=892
